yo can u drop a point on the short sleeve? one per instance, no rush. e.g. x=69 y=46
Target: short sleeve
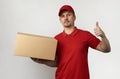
x=93 y=41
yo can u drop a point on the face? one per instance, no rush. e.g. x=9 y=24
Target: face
x=67 y=19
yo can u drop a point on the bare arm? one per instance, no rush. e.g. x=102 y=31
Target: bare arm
x=51 y=63
x=104 y=45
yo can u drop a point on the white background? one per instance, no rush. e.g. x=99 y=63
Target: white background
x=41 y=17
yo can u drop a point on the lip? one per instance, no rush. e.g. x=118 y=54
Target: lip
x=66 y=22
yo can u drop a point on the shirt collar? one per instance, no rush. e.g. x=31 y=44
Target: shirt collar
x=72 y=34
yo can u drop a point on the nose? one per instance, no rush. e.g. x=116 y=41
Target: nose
x=66 y=17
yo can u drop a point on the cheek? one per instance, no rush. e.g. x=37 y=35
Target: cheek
x=72 y=18
x=61 y=20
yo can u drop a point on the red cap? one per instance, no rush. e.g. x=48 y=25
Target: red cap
x=66 y=8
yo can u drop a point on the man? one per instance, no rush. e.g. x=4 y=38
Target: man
x=73 y=43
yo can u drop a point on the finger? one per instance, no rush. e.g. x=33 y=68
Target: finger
x=97 y=24
x=34 y=59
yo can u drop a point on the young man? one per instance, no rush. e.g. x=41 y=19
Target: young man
x=73 y=43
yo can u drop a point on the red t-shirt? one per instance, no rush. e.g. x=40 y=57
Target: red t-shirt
x=72 y=54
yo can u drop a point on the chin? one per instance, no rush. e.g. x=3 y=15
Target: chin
x=67 y=26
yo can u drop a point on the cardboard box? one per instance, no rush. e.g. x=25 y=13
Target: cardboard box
x=36 y=46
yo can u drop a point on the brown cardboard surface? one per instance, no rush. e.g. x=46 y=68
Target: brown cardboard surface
x=36 y=46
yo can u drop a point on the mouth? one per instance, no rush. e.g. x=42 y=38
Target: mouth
x=66 y=22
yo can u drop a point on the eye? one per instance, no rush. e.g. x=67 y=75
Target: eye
x=62 y=16
x=69 y=14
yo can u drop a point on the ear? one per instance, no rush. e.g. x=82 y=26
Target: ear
x=74 y=17
x=59 y=19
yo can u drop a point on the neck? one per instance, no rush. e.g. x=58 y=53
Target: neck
x=69 y=30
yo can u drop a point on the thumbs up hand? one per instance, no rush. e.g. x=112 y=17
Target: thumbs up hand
x=98 y=31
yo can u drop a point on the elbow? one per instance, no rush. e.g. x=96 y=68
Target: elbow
x=107 y=50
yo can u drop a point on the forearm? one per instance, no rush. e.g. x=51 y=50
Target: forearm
x=51 y=63
x=104 y=44
x=46 y=62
